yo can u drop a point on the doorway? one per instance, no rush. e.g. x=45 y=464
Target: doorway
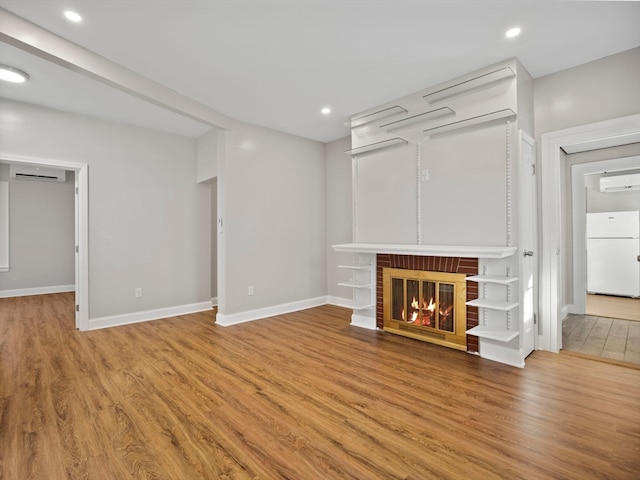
x=553 y=277
x=585 y=176
x=598 y=324
x=81 y=220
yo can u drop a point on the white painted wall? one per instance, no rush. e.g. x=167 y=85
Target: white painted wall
x=464 y=202
x=386 y=197
x=41 y=229
x=271 y=198
x=149 y=221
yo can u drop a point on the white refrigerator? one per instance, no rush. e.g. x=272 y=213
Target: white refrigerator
x=613 y=253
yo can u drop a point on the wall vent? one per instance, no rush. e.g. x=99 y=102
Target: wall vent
x=32 y=172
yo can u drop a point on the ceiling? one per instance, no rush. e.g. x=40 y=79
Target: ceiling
x=276 y=63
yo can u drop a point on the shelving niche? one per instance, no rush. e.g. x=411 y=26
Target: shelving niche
x=494 y=329
x=362 y=282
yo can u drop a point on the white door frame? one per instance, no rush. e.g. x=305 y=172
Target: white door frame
x=617 y=131
x=81 y=227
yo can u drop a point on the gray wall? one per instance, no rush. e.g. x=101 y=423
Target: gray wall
x=41 y=233
x=593 y=92
x=149 y=221
x=339 y=218
x=271 y=197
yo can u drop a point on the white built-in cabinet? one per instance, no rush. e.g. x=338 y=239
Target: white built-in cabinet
x=491 y=103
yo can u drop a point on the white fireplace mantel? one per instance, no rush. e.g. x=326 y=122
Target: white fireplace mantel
x=465 y=251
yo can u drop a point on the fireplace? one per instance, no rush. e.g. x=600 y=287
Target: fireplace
x=439 y=313
x=426 y=305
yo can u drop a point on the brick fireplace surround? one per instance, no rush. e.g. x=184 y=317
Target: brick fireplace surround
x=467 y=266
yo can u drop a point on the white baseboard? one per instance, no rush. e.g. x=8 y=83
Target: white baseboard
x=340 y=302
x=498 y=352
x=23 y=292
x=260 y=313
x=571 y=308
x=147 y=315
x=363 y=321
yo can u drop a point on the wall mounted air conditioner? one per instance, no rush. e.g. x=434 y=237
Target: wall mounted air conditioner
x=620 y=183
x=32 y=172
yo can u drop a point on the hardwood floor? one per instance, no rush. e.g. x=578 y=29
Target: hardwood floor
x=613 y=307
x=299 y=396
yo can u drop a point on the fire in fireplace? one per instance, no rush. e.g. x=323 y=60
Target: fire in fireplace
x=425 y=305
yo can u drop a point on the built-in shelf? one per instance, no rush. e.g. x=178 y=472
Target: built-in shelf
x=483 y=331
x=480 y=120
x=393 y=142
x=472 y=84
x=367 y=268
x=464 y=251
x=355 y=285
x=499 y=279
x=379 y=115
x=419 y=118
x=357 y=306
x=493 y=304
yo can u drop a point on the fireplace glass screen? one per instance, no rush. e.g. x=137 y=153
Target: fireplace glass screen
x=425 y=303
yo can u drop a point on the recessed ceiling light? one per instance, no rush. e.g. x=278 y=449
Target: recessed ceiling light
x=72 y=16
x=10 y=74
x=513 y=32
x=326 y=111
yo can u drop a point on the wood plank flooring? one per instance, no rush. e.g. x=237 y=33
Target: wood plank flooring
x=613 y=307
x=610 y=329
x=609 y=338
x=299 y=396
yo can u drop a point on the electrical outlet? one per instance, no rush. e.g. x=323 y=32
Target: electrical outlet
x=138 y=292
x=250 y=290
x=425 y=175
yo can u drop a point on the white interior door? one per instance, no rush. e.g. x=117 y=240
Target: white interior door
x=528 y=244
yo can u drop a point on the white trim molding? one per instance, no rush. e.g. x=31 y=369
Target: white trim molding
x=147 y=315
x=227 y=320
x=340 y=302
x=435 y=250
x=23 y=292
